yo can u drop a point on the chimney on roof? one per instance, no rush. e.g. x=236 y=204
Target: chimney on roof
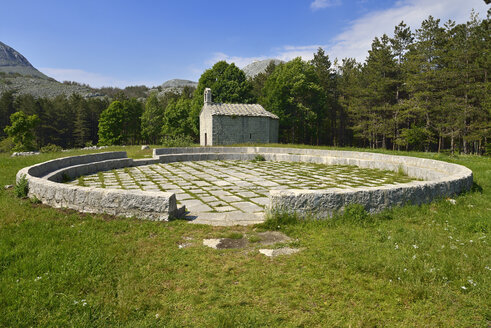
x=208 y=96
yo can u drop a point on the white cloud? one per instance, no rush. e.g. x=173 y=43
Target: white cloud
x=356 y=40
x=320 y=4
x=95 y=80
x=289 y=52
x=239 y=61
x=285 y=53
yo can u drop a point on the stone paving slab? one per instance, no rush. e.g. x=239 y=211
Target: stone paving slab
x=226 y=219
x=234 y=190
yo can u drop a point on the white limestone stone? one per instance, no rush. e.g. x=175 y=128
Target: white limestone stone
x=279 y=251
x=439 y=179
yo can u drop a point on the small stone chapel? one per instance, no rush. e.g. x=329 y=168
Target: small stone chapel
x=225 y=124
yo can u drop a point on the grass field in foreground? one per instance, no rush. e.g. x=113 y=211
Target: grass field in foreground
x=413 y=266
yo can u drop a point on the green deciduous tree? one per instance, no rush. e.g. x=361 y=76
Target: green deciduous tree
x=293 y=93
x=177 y=119
x=120 y=123
x=21 y=130
x=228 y=84
x=111 y=124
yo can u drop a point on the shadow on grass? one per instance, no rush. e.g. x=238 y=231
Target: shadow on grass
x=476 y=188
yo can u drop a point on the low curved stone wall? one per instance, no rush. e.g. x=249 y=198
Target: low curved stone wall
x=44 y=184
x=440 y=179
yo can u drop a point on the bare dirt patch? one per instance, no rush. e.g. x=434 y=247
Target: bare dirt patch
x=266 y=238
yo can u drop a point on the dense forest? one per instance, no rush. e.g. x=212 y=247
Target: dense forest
x=426 y=89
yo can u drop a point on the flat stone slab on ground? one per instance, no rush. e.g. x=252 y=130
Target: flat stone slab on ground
x=226 y=219
x=265 y=238
x=225 y=243
x=273 y=237
x=279 y=251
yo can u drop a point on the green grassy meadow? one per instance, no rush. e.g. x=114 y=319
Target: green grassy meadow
x=416 y=266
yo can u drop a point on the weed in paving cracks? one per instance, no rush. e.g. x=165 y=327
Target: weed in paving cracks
x=258 y=158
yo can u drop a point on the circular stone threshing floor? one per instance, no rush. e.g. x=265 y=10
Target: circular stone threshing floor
x=237 y=190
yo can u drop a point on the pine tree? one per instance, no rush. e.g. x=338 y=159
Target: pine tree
x=380 y=92
x=326 y=125
x=259 y=80
x=6 y=109
x=400 y=43
x=425 y=81
x=348 y=97
x=81 y=130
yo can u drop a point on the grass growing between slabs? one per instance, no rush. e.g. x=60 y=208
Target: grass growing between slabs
x=412 y=266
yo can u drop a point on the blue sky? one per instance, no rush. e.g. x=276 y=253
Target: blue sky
x=120 y=43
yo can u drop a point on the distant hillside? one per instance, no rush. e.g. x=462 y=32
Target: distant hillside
x=176 y=86
x=257 y=67
x=18 y=75
x=12 y=61
x=177 y=83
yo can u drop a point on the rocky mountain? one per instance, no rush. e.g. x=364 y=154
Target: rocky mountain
x=175 y=85
x=257 y=67
x=12 y=61
x=18 y=75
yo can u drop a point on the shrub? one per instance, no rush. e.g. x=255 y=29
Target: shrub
x=21 y=187
x=50 y=148
x=6 y=145
x=177 y=141
x=275 y=220
x=259 y=158
x=355 y=213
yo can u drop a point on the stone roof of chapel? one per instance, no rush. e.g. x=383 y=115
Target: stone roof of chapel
x=239 y=110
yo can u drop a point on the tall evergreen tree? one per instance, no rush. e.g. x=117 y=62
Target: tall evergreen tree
x=81 y=131
x=7 y=108
x=400 y=43
x=425 y=81
x=152 y=119
x=259 y=80
x=348 y=95
x=379 y=93
x=327 y=122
